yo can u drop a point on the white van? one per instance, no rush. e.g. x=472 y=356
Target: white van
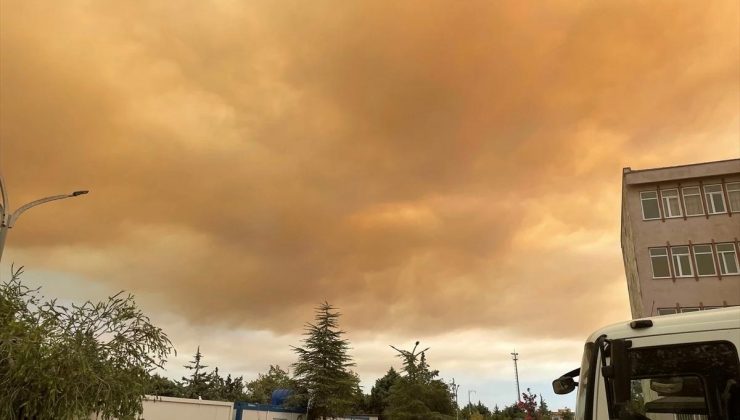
x=677 y=367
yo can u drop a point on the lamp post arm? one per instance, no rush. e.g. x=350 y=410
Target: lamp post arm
x=4 y=193
x=16 y=214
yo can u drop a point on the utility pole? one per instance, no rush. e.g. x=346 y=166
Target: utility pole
x=514 y=356
x=8 y=218
x=455 y=387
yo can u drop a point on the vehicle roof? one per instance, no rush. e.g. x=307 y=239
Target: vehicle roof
x=714 y=319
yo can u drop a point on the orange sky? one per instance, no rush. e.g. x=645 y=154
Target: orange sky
x=432 y=168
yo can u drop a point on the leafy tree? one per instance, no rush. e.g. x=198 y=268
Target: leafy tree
x=233 y=389
x=378 y=401
x=59 y=361
x=322 y=372
x=260 y=390
x=481 y=408
x=529 y=404
x=513 y=411
x=418 y=394
x=165 y=387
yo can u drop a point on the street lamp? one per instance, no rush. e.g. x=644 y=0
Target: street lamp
x=8 y=219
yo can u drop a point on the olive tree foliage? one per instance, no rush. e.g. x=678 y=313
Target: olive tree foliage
x=70 y=361
x=261 y=389
x=418 y=394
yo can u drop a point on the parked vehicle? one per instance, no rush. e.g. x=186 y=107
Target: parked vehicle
x=677 y=367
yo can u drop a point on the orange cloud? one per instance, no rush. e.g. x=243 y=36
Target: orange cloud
x=430 y=166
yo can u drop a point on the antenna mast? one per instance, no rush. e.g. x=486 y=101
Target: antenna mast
x=514 y=356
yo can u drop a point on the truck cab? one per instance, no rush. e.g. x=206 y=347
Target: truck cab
x=677 y=367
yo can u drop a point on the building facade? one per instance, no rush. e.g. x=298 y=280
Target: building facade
x=680 y=229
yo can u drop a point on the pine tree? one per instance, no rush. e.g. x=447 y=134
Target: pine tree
x=196 y=385
x=322 y=371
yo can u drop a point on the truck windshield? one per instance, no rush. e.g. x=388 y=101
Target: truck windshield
x=689 y=381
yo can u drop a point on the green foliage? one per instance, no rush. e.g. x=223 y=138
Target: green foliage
x=378 y=401
x=63 y=362
x=418 y=394
x=198 y=383
x=324 y=380
x=164 y=387
x=260 y=390
x=210 y=385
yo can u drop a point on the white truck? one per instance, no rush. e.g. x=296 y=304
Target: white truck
x=677 y=367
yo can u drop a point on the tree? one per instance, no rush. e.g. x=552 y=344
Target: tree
x=543 y=411
x=418 y=394
x=380 y=392
x=198 y=383
x=165 y=387
x=59 y=361
x=322 y=372
x=233 y=389
x=260 y=390
x=529 y=404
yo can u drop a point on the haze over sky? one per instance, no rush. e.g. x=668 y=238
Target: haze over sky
x=441 y=171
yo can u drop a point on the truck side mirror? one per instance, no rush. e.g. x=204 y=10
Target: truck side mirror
x=563 y=385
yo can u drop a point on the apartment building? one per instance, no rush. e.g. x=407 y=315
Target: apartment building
x=680 y=230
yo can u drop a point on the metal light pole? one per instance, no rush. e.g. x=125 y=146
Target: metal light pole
x=516 y=374
x=470 y=391
x=8 y=218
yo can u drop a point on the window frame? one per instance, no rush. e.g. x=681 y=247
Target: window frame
x=674 y=311
x=666 y=207
x=712 y=258
x=697 y=194
x=667 y=257
x=710 y=201
x=677 y=270
x=722 y=261
x=657 y=202
x=736 y=188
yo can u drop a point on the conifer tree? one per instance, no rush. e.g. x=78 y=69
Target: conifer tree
x=325 y=381
x=196 y=385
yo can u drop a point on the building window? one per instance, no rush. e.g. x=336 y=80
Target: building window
x=659 y=261
x=667 y=311
x=733 y=194
x=671 y=205
x=704 y=259
x=692 y=201
x=715 y=199
x=694 y=309
x=727 y=259
x=650 y=206
x=681 y=261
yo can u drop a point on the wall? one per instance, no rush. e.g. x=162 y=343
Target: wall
x=170 y=408
x=648 y=294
